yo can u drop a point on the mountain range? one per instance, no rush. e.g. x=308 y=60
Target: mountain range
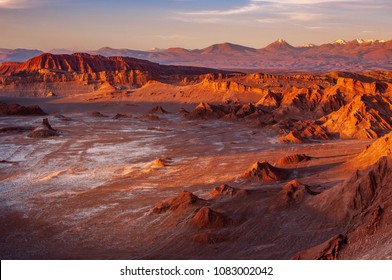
x=355 y=55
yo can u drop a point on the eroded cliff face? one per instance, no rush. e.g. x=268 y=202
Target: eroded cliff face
x=81 y=73
x=7 y=68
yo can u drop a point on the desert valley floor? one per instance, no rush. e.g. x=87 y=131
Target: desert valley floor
x=121 y=158
x=100 y=190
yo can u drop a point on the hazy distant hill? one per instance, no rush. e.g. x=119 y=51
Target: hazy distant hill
x=355 y=55
x=17 y=55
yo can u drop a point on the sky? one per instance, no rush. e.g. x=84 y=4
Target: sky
x=192 y=24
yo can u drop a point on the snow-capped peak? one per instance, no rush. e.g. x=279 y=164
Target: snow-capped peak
x=340 y=42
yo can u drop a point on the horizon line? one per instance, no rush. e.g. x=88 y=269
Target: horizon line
x=337 y=41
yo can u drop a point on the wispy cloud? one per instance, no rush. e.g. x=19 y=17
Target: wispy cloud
x=269 y=20
x=273 y=11
x=303 y=16
x=250 y=8
x=201 y=20
x=315 y=27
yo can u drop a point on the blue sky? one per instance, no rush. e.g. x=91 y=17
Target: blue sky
x=88 y=24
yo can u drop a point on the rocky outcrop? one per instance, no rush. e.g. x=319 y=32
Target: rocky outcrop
x=45 y=130
x=183 y=111
x=379 y=148
x=106 y=87
x=292 y=137
x=230 y=112
x=98 y=115
x=7 y=68
x=158 y=110
x=365 y=117
x=229 y=85
x=180 y=202
x=159 y=163
x=86 y=69
x=360 y=194
x=266 y=173
x=269 y=100
x=83 y=63
x=206 y=111
x=294 y=192
x=293 y=159
x=226 y=190
x=122 y=116
x=360 y=207
x=329 y=250
x=19 y=110
x=353 y=86
x=304 y=131
x=205 y=217
x=302 y=99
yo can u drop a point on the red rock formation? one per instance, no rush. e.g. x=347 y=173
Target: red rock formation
x=83 y=63
x=16 y=109
x=106 y=87
x=226 y=190
x=303 y=99
x=292 y=137
x=183 y=111
x=45 y=130
x=375 y=220
x=229 y=85
x=364 y=117
x=7 y=68
x=379 y=148
x=206 y=111
x=159 y=163
x=158 y=110
x=269 y=100
x=205 y=217
x=98 y=115
x=303 y=131
x=294 y=192
x=122 y=116
x=353 y=86
x=362 y=192
x=329 y=250
x=118 y=69
x=266 y=173
x=182 y=201
x=245 y=110
x=293 y=159
x=362 y=205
